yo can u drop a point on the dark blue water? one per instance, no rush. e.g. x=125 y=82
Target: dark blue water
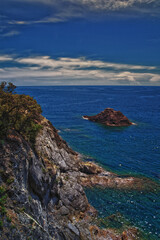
x=131 y=150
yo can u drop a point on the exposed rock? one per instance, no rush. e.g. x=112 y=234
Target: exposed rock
x=110 y=117
x=64 y=210
x=73 y=229
x=41 y=189
x=109 y=234
x=101 y=234
x=90 y=168
x=51 y=147
x=130 y=234
x=92 y=175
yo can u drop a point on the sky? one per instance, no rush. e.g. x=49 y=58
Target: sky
x=80 y=42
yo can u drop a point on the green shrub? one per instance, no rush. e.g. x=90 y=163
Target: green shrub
x=13 y=226
x=10 y=180
x=1 y=224
x=3 y=210
x=2 y=190
x=22 y=209
x=9 y=219
x=29 y=198
x=18 y=111
x=3 y=200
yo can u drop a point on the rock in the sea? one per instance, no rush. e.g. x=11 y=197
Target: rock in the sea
x=110 y=117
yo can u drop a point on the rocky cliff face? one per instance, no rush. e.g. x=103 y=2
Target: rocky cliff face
x=38 y=197
x=41 y=190
x=110 y=117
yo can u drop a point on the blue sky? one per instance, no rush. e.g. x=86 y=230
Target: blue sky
x=80 y=42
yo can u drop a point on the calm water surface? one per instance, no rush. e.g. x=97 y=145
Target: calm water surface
x=131 y=150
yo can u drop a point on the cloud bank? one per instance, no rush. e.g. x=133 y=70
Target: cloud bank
x=44 y=70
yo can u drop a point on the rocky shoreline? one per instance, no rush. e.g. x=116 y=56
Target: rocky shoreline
x=42 y=190
x=94 y=176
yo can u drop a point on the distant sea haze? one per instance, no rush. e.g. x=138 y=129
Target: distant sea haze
x=133 y=150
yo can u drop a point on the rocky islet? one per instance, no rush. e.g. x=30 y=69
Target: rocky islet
x=110 y=117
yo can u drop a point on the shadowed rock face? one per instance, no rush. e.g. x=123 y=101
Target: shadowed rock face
x=110 y=117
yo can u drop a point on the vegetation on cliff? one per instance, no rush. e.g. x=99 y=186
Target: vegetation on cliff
x=18 y=111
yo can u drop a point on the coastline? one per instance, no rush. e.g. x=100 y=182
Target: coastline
x=54 y=179
x=133 y=148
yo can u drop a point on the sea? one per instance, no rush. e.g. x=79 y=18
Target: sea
x=133 y=150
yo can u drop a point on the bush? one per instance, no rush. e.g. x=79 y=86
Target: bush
x=1 y=224
x=18 y=111
x=2 y=190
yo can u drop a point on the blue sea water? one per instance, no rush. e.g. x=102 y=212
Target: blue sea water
x=133 y=150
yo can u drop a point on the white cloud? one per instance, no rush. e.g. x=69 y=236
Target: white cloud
x=10 y=33
x=155 y=78
x=18 y=22
x=44 y=20
x=46 y=61
x=65 y=9
x=79 y=71
x=93 y=4
x=4 y=58
x=138 y=77
x=112 y=4
x=84 y=76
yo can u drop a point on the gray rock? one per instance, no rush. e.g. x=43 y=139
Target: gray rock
x=64 y=210
x=73 y=229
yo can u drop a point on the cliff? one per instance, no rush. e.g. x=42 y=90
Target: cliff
x=110 y=117
x=41 y=190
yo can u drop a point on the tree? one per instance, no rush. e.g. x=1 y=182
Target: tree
x=8 y=88
x=19 y=112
